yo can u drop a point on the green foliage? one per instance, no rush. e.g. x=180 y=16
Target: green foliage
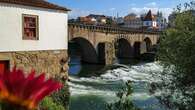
x=62 y=96
x=58 y=100
x=49 y=104
x=177 y=53
x=124 y=103
x=109 y=21
x=177 y=45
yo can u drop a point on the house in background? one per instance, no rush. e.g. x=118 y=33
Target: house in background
x=132 y=21
x=33 y=34
x=146 y=21
x=149 y=21
x=94 y=19
x=100 y=19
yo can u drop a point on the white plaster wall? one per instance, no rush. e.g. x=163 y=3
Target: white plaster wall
x=154 y=24
x=52 y=29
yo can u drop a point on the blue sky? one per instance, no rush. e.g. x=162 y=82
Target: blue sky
x=122 y=7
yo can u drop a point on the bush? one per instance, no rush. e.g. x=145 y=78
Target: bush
x=49 y=104
x=58 y=100
x=124 y=103
x=62 y=96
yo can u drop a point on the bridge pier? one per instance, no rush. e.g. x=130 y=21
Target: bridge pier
x=143 y=48
x=106 y=53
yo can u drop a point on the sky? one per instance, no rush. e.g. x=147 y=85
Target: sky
x=117 y=7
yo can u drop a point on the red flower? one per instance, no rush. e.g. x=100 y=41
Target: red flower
x=23 y=91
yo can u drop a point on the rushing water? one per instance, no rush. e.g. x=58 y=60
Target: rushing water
x=92 y=92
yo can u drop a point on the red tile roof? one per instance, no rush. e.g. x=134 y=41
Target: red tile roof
x=36 y=3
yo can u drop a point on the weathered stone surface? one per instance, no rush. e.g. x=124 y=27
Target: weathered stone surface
x=106 y=53
x=109 y=53
x=48 y=62
x=96 y=37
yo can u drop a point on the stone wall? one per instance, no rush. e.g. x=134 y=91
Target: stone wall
x=109 y=53
x=51 y=62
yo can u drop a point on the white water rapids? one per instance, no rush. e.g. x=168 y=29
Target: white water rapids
x=91 y=93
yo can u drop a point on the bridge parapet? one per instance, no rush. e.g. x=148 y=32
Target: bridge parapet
x=112 y=29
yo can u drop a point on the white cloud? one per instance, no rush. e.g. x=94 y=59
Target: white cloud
x=77 y=12
x=112 y=9
x=133 y=9
x=151 y=4
x=139 y=11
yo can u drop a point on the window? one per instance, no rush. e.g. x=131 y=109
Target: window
x=30 y=27
x=147 y=23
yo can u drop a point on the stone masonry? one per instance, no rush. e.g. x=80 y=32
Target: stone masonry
x=109 y=53
x=51 y=62
x=95 y=36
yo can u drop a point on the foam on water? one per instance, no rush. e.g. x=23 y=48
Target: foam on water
x=140 y=73
x=109 y=83
x=140 y=96
x=145 y=72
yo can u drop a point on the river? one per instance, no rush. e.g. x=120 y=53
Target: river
x=90 y=91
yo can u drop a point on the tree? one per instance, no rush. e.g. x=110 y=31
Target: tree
x=177 y=53
x=109 y=21
x=177 y=45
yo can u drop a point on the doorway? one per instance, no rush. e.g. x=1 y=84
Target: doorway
x=4 y=66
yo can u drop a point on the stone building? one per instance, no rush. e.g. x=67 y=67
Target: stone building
x=130 y=16
x=100 y=19
x=33 y=35
x=132 y=21
x=93 y=19
x=86 y=20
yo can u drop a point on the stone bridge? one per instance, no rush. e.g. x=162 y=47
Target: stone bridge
x=102 y=44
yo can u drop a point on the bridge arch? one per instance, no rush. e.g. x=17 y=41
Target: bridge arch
x=123 y=48
x=148 y=44
x=85 y=49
